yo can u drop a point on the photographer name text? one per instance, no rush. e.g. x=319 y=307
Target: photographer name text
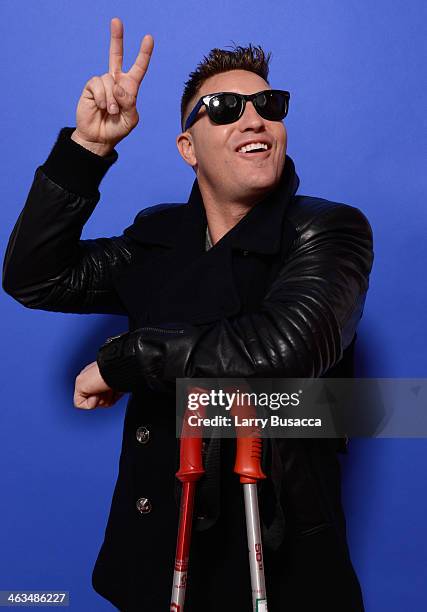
x=252 y=422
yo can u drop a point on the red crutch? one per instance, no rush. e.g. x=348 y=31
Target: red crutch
x=248 y=466
x=190 y=471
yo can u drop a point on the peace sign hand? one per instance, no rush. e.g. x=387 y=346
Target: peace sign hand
x=106 y=112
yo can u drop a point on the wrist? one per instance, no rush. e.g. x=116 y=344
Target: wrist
x=74 y=167
x=95 y=147
x=118 y=363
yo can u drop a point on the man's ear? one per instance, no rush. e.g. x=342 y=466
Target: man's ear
x=184 y=142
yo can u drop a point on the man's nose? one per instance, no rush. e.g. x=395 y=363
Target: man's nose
x=250 y=118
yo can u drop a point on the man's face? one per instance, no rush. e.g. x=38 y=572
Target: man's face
x=212 y=149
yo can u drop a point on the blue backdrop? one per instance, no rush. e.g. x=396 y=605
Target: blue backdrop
x=357 y=114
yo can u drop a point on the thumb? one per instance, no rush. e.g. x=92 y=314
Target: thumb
x=124 y=99
x=92 y=401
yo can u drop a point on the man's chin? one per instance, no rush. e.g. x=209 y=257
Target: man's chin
x=258 y=182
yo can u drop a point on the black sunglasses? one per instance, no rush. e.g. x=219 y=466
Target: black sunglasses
x=227 y=106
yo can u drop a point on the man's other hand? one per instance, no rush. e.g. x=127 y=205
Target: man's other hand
x=92 y=391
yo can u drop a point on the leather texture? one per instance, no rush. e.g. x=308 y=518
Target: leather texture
x=47 y=267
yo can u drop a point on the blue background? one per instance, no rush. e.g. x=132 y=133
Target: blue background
x=357 y=113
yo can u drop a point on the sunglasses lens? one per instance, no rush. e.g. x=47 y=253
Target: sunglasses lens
x=272 y=105
x=224 y=108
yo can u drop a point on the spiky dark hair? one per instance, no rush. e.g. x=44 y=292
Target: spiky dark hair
x=252 y=58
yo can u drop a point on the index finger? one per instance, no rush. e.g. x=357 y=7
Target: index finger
x=116 y=46
x=140 y=66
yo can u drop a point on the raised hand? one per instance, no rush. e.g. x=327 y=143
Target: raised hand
x=106 y=112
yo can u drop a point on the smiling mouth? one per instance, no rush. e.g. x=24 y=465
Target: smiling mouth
x=255 y=154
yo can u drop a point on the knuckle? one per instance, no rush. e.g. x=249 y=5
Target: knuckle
x=108 y=79
x=98 y=88
x=91 y=82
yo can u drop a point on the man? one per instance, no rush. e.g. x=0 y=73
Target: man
x=246 y=279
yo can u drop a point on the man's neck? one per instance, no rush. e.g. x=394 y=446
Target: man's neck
x=222 y=216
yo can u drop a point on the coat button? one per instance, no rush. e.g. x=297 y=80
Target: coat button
x=143 y=505
x=142 y=434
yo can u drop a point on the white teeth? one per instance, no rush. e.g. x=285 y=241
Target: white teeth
x=253 y=145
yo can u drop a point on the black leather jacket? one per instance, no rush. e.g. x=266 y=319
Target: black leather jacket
x=308 y=316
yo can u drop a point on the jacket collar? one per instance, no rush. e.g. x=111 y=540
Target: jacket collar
x=260 y=230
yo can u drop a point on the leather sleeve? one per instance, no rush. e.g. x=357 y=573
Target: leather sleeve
x=307 y=318
x=46 y=265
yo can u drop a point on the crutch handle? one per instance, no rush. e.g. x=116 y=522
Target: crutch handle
x=248 y=445
x=191 y=463
x=248 y=458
